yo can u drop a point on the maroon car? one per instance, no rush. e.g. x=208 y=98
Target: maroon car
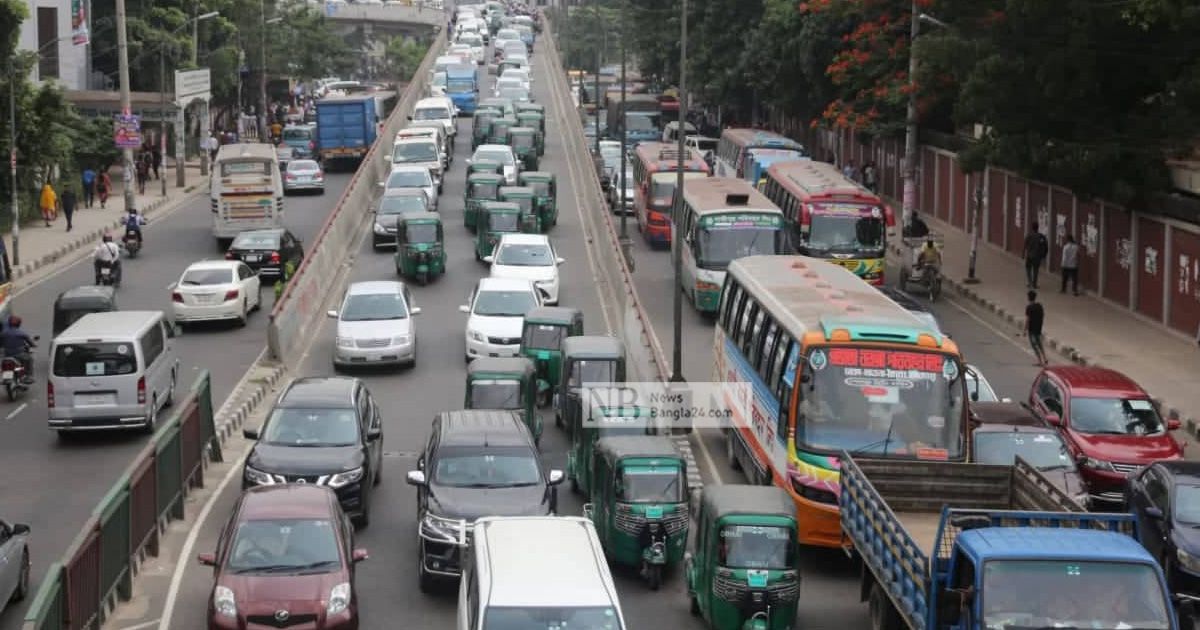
x=1110 y=424
x=285 y=559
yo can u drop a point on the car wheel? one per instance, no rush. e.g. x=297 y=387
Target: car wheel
x=424 y=579
x=170 y=393
x=22 y=590
x=731 y=452
x=152 y=420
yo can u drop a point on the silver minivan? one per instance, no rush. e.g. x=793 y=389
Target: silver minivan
x=113 y=370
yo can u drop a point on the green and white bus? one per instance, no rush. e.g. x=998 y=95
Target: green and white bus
x=723 y=219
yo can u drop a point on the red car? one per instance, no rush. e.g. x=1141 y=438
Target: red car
x=285 y=559
x=1110 y=424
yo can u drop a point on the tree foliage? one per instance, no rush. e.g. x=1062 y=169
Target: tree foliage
x=403 y=56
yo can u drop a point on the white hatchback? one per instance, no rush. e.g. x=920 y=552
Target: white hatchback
x=497 y=309
x=528 y=257
x=215 y=290
x=501 y=153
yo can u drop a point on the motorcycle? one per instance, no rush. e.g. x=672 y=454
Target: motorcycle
x=109 y=275
x=132 y=244
x=13 y=376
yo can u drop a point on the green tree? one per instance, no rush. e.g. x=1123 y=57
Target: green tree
x=402 y=56
x=304 y=46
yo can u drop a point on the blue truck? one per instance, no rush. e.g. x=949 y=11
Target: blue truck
x=462 y=86
x=348 y=125
x=950 y=546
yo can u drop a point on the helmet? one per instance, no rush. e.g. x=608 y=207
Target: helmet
x=14 y=321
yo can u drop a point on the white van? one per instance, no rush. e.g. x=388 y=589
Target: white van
x=247 y=190
x=113 y=370
x=418 y=152
x=439 y=108
x=429 y=129
x=510 y=554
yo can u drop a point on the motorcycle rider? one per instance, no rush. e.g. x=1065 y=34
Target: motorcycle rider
x=107 y=254
x=930 y=257
x=17 y=344
x=134 y=223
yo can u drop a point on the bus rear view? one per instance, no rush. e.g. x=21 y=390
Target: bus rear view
x=247 y=192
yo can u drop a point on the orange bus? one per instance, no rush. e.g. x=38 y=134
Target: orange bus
x=655 y=169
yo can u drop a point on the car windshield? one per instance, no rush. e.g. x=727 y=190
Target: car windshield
x=516 y=75
x=486 y=467
x=303 y=166
x=421 y=232
x=584 y=372
x=662 y=185
x=508 y=82
x=498 y=222
x=510 y=618
x=503 y=157
x=495 y=394
x=439 y=79
x=524 y=202
x=845 y=233
x=485 y=190
x=1115 y=416
x=415 y=152
x=460 y=86
x=522 y=141
x=399 y=204
x=292 y=426
x=754 y=547
x=515 y=93
x=205 y=277
x=94 y=359
x=297 y=134
x=364 y=307
x=719 y=245
x=541 y=189
x=888 y=403
x=1044 y=450
x=544 y=336
x=284 y=546
x=504 y=303
x=255 y=241
x=525 y=255
x=409 y=179
x=646 y=484
x=1072 y=594
x=1187 y=504
x=431 y=113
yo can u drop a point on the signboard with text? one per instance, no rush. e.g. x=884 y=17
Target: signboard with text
x=79 y=23
x=191 y=85
x=127 y=131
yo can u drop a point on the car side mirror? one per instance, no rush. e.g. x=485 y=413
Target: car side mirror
x=556 y=477
x=359 y=555
x=250 y=433
x=1153 y=512
x=171 y=287
x=416 y=310
x=380 y=184
x=387 y=157
x=489 y=259
x=207 y=559
x=410 y=117
x=974 y=396
x=19 y=529
x=332 y=314
x=1173 y=424
x=415 y=478
x=1053 y=419
x=559 y=261
x=374 y=433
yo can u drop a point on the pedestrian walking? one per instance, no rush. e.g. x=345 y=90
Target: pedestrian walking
x=103 y=187
x=211 y=145
x=849 y=171
x=89 y=187
x=67 y=201
x=49 y=203
x=1070 y=265
x=1036 y=248
x=143 y=173
x=870 y=176
x=1035 y=317
x=156 y=158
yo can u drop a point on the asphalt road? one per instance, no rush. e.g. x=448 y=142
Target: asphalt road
x=53 y=485
x=386 y=583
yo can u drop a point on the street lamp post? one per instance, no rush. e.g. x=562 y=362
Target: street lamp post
x=677 y=205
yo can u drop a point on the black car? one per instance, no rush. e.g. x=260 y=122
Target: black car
x=323 y=431
x=266 y=251
x=1165 y=498
x=392 y=205
x=477 y=463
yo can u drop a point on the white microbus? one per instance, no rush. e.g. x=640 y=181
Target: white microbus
x=247 y=190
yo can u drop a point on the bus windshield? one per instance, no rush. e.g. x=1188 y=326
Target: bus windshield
x=662 y=185
x=884 y=402
x=725 y=238
x=845 y=230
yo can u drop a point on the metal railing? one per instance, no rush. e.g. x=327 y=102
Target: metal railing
x=98 y=567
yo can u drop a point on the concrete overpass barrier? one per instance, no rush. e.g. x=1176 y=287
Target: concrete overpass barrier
x=383 y=13
x=297 y=312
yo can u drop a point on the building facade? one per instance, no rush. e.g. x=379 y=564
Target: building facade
x=52 y=33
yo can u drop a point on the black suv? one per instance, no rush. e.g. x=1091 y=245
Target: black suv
x=323 y=431
x=477 y=463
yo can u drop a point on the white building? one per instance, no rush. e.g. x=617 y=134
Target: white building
x=48 y=31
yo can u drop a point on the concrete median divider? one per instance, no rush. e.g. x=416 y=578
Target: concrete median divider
x=97 y=570
x=323 y=271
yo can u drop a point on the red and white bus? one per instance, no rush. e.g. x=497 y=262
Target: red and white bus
x=655 y=173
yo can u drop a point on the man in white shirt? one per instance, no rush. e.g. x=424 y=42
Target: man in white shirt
x=107 y=254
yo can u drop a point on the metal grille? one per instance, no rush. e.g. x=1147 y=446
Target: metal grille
x=1125 y=469
x=287 y=622
x=504 y=341
x=786 y=590
x=372 y=343
x=674 y=522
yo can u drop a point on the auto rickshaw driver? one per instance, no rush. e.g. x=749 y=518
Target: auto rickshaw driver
x=930 y=256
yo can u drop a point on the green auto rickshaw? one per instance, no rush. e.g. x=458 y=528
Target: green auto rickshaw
x=542 y=337
x=742 y=572
x=588 y=360
x=503 y=104
x=481 y=124
x=505 y=383
x=523 y=141
x=71 y=305
x=485 y=166
x=420 y=246
x=527 y=107
x=545 y=195
x=480 y=187
x=495 y=218
x=639 y=494
x=537 y=122
x=500 y=129
x=523 y=197
x=606 y=414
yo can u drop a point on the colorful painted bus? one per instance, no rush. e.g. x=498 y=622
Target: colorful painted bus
x=831 y=217
x=834 y=366
x=655 y=173
x=722 y=219
x=738 y=146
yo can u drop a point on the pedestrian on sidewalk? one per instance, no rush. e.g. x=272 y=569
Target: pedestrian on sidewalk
x=67 y=200
x=143 y=173
x=211 y=145
x=1070 y=265
x=49 y=203
x=849 y=171
x=870 y=176
x=1035 y=316
x=103 y=187
x=89 y=187
x=1036 y=248
x=156 y=158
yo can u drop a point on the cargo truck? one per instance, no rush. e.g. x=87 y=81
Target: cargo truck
x=980 y=547
x=347 y=127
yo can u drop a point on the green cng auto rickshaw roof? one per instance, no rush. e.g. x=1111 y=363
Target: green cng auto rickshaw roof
x=531 y=107
x=501 y=365
x=485 y=178
x=500 y=207
x=517 y=191
x=86 y=297
x=522 y=131
x=593 y=347
x=553 y=315
x=739 y=499
x=620 y=447
x=421 y=217
x=537 y=176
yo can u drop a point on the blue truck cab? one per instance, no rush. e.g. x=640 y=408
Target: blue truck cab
x=1019 y=555
x=462 y=86
x=348 y=125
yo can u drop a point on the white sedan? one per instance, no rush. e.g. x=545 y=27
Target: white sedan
x=497 y=310
x=215 y=290
x=528 y=257
x=501 y=153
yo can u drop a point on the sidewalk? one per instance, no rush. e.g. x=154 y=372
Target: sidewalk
x=1085 y=329
x=41 y=247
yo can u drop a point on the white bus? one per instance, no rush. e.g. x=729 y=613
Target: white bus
x=737 y=148
x=723 y=219
x=247 y=190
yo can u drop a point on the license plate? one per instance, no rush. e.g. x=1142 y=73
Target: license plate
x=93 y=400
x=253 y=258
x=204 y=298
x=7 y=375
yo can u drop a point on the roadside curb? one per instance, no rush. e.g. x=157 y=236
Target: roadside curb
x=246 y=398
x=93 y=236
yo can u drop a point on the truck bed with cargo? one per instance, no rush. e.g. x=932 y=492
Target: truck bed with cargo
x=981 y=547
x=347 y=126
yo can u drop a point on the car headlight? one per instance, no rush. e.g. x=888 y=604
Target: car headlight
x=258 y=477
x=345 y=342
x=339 y=599
x=400 y=340
x=1098 y=464
x=437 y=527
x=1083 y=499
x=477 y=336
x=379 y=229
x=223 y=602
x=346 y=478
x=1187 y=560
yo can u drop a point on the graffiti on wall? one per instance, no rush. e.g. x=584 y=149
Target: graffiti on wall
x=1060 y=229
x=1091 y=236
x=1043 y=218
x=1019 y=213
x=1185 y=280
x=1151 y=261
x=1125 y=253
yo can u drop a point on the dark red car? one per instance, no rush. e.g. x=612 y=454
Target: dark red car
x=285 y=559
x=1110 y=424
